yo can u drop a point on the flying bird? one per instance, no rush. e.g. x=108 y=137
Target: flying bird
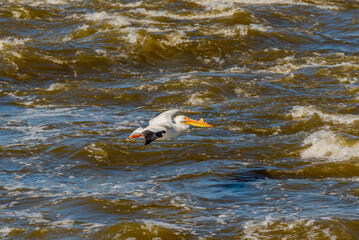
x=165 y=126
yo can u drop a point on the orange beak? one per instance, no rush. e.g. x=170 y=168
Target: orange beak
x=135 y=136
x=199 y=123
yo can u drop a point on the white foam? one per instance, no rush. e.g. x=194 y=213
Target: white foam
x=10 y=42
x=290 y=64
x=96 y=152
x=230 y=31
x=53 y=59
x=254 y=229
x=237 y=69
x=91 y=226
x=47 y=112
x=306 y=112
x=101 y=52
x=221 y=219
x=174 y=202
x=146 y=87
x=325 y=144
x=129 y=5
x=16 y=14
x=210 y=13
x=31 y=133
x=350 y=80
x=113 y=19
x=328 y=7
x=55 y=87
x=151 y=224
x=65 y=223
x=41 y=2
x=34 y=132
x=241 y=93
x=287 y=65
x=198 y=99
x=133 y=37
x=4 y=231
x=32 y=217
x=176 y=38
x=222 y=3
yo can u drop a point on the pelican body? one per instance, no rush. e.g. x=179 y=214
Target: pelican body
x=165 y=126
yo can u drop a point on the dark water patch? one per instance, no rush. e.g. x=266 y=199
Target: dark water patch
x=348 y=169
x=252 y=175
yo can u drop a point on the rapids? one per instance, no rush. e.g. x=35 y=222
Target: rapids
x=278 y=80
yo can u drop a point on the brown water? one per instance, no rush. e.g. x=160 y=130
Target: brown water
x=277 y=78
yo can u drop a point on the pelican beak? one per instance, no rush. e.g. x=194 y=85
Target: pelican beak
x=135 y=136
x=199 y=123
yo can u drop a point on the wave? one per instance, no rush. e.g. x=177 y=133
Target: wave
x=325 y=144
x=319 y=228
x=113 y=19
x=39 y=2
x=222 y=3
x=307 y=112
x=338 y=65
x=9 y=42
x=140 y=33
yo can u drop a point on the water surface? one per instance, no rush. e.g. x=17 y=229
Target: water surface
x=277 y=78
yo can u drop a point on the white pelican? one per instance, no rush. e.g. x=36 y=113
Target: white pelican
x=165 y=126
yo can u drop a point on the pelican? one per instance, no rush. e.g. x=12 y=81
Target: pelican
x=165 y=126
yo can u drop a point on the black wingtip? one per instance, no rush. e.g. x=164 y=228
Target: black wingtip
x=151 y=136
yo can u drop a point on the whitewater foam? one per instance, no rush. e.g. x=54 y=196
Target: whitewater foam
x=56 y=87
x=4 y=231
x=41 y=2
x=223 y=3
x=113 y=19
x=64 y=223
x=96 y=152
x=306 y=112
x=325 y=144
x=349 y=80
x=318 y=61
x=210 y=13
x=240 y=30
x=198 y=99
x=176 y=38
x=270 y=225
x=10 y=41
x=152 y=225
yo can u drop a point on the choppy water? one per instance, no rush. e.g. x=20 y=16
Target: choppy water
x=277 y=78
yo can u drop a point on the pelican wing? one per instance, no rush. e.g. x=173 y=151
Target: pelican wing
x=153 y=132
x=163 y=118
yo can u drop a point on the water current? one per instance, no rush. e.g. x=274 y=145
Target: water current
x=278 y=80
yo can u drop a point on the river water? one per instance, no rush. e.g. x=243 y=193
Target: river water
x=278 y=80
